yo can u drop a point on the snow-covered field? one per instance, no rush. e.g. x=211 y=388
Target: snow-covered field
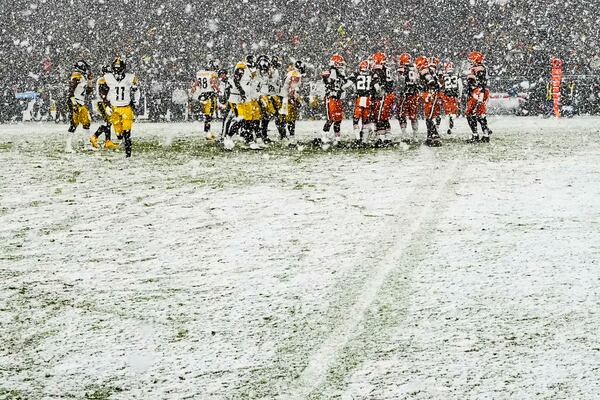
x=460 y=272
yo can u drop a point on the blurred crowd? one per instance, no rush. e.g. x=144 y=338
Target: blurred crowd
x=165 y=43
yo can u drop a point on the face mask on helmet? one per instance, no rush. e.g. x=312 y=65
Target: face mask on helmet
x=212 y=66
x=119 y=68
x=299 y=65
x=337 y=60
x=82 y=66
x=250 y=61
x=263 y=63
x=275 y=62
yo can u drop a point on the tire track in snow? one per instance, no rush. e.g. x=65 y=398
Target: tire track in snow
x=324 y=357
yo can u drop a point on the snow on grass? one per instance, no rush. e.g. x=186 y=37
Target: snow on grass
x=189 y=272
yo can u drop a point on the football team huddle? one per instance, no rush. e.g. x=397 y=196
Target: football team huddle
x=257 y=94
x=381 y=93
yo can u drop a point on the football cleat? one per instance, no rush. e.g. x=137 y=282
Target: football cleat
x=110 y=145
x=260 y=143
x=211 y=136
x=485 y=139
x=94 y=141
x=433 y=141
x=474 y=139
x=228 y=143
x=254 y=146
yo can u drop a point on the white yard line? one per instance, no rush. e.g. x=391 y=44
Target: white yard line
x=323 y=358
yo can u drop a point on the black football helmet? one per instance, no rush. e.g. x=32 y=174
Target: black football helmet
x=263 y=63
x=211 y=65
x=299 y=65
x=275 y=62
x=119 y=67
x=250 y=63
x=82 y=67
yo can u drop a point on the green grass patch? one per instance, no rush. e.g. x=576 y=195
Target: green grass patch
x=6 y=146
x=11 y=394
x=100 y=392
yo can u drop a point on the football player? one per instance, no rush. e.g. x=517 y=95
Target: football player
x=80 y=86
x=452 y=88
x=275 y=85
x=265 y=77
x=434 y=66
x=431 y=99
x=204 y=90
x=123 y=96
x=103 y=108
x=365 y=87
x=383 y=98
x=223 y=98
x=244 y=116
x=291 y=100
x=479 y=94
x=408 y=94
x=334 y=79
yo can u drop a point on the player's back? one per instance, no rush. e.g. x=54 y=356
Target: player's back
x=206 y=82
x=363 y=82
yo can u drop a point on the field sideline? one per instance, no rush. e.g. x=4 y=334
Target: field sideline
x=459 y=272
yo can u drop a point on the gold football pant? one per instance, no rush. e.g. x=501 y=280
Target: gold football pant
x=80 y=115
x=122 y=118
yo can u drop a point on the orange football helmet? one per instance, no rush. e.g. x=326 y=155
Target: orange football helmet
x=476 y=57
x=379 y=58
x=337 y=60
x=421 y=62
x=434 y=61
x=448 y=67
x=405 y=58
x=363 y=65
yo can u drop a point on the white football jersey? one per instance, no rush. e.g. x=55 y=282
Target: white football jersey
x=274 y=83
x=248 y=84
x=292 y=83
x=263 y=83
x=206 y=82
x=122 y=92
x=81 y=89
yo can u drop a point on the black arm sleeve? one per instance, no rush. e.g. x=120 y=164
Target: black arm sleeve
x=237 y=76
